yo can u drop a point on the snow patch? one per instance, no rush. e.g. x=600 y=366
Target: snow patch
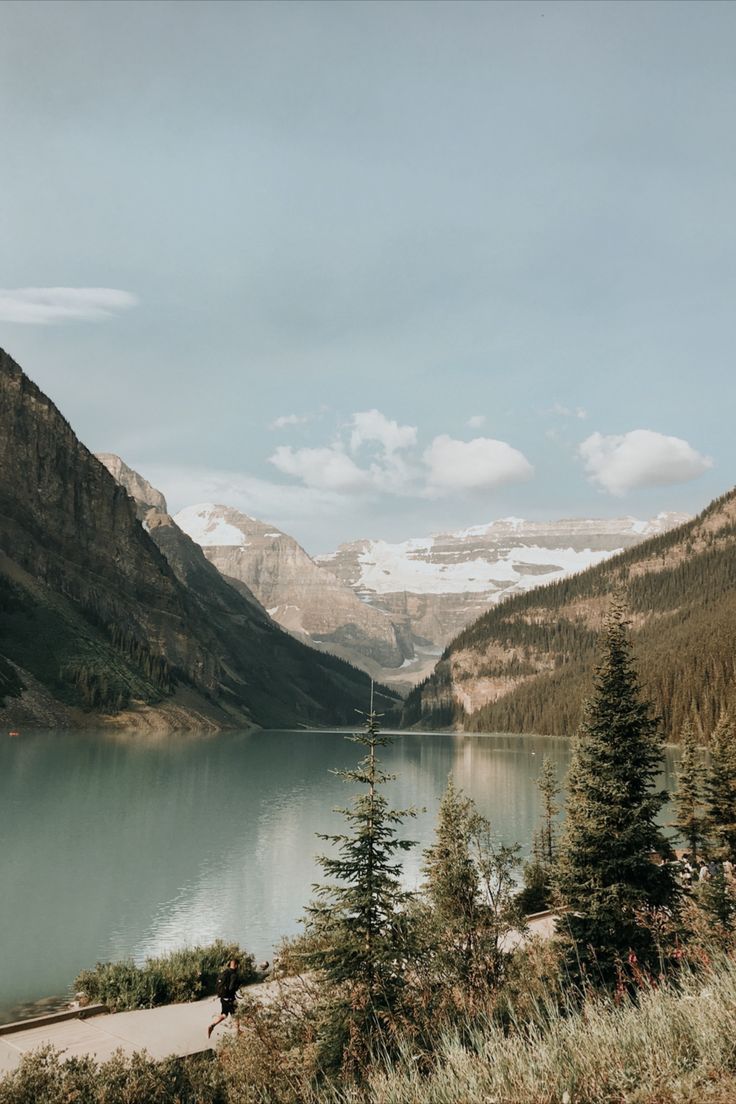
x=390 y=568
x=205 y=525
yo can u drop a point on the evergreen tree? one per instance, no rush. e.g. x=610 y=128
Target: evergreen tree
x=720 y=788
x=690 y=821
x=717 y=899
x=359 y=920
x=539 y=871
x=470 y=884
x=452 y=882
x=607 y=876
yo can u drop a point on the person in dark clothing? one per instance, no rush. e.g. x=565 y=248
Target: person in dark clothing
x=228 y=984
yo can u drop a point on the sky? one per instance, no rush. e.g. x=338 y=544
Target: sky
x=379 y=269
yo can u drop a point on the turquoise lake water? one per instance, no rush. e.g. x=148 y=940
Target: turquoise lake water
x=115 y=845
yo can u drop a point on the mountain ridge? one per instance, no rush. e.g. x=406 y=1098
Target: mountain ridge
x=525 y=665
x=106 y=624
x=300 y=595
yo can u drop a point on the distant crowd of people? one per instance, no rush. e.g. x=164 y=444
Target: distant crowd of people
x=691 y=870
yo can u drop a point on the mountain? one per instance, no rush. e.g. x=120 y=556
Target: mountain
x=436 y=586
x=104 y=617
x=525 y=665
x=301 y=596
x=140 y=490
x=183 y=555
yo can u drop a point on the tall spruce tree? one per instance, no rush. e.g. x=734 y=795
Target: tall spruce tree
x=539 y=872
x=452 y=883
x=548 y=786
x=689 y=796
x=358 y=921
x=720 y=788
x=470 y=887
x=607 y=875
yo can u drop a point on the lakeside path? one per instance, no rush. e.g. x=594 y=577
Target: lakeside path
x=173 y=1029
x=178 y=1029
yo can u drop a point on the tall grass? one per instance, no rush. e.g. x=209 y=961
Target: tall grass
x=182 y=975
x=671 y=1046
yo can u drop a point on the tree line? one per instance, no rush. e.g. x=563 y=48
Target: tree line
x=684 y=612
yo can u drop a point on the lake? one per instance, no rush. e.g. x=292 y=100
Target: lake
x=116 y=845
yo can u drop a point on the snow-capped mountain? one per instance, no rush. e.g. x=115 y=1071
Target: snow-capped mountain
x=301 y=596
x=442 y=583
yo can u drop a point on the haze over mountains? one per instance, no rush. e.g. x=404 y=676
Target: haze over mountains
x=111 y=607
x=392 y=608
x=109 y=610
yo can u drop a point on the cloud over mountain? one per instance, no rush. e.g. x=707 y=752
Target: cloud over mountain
x=619 y=463
x=329 y=468
x=42 y=306
x=480 y=464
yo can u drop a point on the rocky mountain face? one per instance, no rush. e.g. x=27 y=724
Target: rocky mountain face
x=101 y=618
x=183 y=555
x=301 y=596
x=436 y=586
x=526 y=664
x=140 y=490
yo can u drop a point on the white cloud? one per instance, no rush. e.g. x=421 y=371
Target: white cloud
x=284 y=504
x=568 y=412
x=373 y=426
x=328 y=468
x=41 y=306
x=480 y=464
x=640 y=458
x=395 y=467
x=290 y=420
x=476 y=422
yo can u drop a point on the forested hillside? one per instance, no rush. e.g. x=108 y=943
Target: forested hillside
x=525 y=665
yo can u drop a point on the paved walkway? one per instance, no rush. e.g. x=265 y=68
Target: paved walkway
x=541 y=925
x=179 y=1029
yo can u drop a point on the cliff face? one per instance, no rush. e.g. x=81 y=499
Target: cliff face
x=102 y=616
x=145 y=496
x=301 y=596
x=526 y=665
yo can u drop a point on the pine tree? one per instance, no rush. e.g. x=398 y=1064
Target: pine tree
x=549 y=789
x=718 y=902
x=452 y=883
x=539 y=872
x=470 y=886
x=607 y=875
x=720 y=788
x=690 y=820
x=359 y=920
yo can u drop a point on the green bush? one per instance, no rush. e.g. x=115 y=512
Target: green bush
x=183 y=975
x=44 y=1077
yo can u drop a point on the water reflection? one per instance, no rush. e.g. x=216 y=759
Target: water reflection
x=112 y=845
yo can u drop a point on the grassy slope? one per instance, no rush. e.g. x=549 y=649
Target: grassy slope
x=672 y=1047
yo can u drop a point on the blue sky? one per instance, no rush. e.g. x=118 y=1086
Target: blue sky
x=379 y=269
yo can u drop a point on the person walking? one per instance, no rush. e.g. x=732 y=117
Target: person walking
x=227 y=987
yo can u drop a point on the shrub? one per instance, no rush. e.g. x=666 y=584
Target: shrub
x=44 y=1077
x=275 y=1057
x=183 y=975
